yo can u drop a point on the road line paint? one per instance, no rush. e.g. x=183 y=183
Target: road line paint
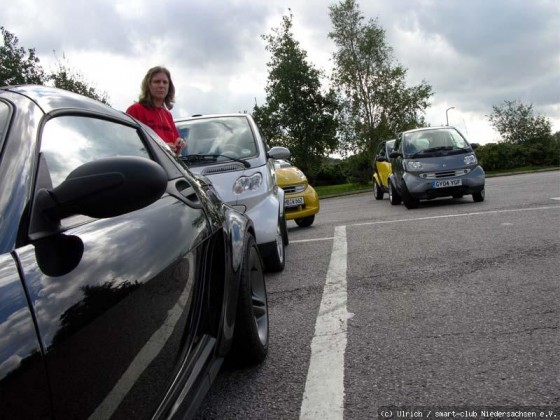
x=555 y=198
x=324 y=389
x=478 y=213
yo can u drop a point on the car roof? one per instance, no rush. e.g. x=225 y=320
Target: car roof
x=203 y=116
x=51 y=99
x=443 y=127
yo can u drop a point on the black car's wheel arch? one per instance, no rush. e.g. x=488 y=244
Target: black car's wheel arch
x=251 y=333
x=235 y=232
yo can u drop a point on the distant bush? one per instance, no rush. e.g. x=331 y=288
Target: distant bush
x=537 y=152
x=358 y=168
x=330 y=174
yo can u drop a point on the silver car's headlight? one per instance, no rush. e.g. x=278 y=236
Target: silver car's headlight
x=247 y=183
x=470 y=160
x=413 y=165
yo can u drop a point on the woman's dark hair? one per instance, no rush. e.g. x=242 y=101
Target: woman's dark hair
x=145 y=95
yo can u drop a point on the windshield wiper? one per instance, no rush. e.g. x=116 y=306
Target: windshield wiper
x=213 y=158
x=437 y=149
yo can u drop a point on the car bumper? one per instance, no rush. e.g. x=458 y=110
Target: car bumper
x=422 y=189
x=309 y=208
x=382 y=183
x=264 y=214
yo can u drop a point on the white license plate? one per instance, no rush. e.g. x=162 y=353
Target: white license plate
x=447 y=183
x=293 y=202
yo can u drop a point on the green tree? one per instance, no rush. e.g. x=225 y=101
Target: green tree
x=517 y=125
x=69 y=79
x=297 y=114
x=21 y=67
x=18 y=66
x=376 y=101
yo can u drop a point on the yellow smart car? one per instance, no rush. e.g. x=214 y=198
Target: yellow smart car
x=301 y=201
x=382 y=169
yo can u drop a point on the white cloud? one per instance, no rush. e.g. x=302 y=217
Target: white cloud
x=474 y=54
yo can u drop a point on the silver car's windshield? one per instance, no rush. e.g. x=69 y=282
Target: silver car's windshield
x=219 y=137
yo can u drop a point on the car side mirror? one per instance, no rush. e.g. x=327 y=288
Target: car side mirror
x=474 y=146
x=279 y=152
x=395 y=155
x=105 y=188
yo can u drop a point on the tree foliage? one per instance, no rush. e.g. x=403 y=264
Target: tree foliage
x=377 y=103
x=69 y=79
x=517 y=125
x=21 y=67
x=297 y=114
x=18 y=66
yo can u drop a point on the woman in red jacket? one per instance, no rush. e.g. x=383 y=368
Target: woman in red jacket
x=157 y=97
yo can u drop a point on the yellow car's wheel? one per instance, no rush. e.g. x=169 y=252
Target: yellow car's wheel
x=377 y=191
x=305 y=221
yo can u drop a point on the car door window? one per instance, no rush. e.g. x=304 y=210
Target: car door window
x=381 y=150
x=68 y=142
x=5 y=113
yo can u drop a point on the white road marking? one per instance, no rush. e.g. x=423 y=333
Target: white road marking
x=555 y=198
x=324 y=389
x=323 y=397
x=445 y=216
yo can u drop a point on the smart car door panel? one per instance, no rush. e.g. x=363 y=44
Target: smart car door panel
x=114 y=326
x=23 y=380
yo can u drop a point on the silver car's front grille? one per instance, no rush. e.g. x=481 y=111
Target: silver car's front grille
x=222 y=168
x=445 y=174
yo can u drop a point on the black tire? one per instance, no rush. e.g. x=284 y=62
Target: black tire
x=408 y=200
x=394 y=196
x=305 y=221
x=275 y=256
x=377 y=191
x=250 y=336
x=479 y=196
x=285 y=231
x=410 y=203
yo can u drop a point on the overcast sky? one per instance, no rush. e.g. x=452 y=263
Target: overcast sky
x=474 y=53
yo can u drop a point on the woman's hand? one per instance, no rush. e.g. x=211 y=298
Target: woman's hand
x=179 y=145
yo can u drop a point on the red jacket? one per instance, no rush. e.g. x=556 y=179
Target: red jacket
x=158 y=119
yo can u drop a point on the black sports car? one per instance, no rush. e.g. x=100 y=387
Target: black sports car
x=124 y=281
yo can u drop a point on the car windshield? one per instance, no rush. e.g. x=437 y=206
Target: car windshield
x=434 y=141
x=217 y=138
x=389 y=147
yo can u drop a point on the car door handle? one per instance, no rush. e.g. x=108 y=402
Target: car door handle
x=182 y=190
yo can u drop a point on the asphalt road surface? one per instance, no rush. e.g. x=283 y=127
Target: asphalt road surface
x=455 y=303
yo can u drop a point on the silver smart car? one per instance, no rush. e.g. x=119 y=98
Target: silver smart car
x=434 y=162
x=229 y=150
